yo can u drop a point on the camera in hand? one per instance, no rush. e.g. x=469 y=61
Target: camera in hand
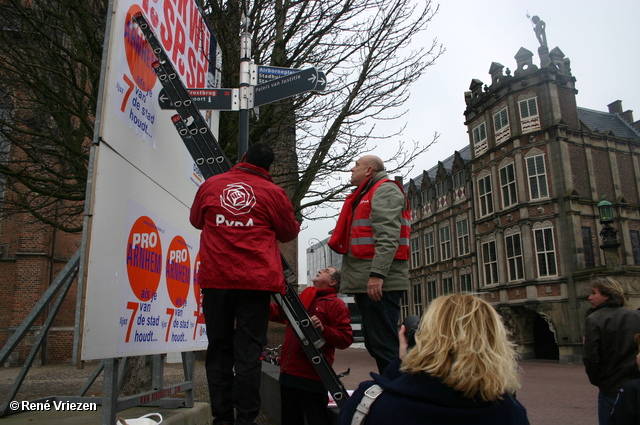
x=411 y=324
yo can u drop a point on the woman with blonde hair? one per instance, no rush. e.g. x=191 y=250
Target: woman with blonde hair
x=462 y=370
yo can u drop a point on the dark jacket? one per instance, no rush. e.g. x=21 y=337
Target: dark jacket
x=336 y=320
x=626 y=411
x=413 y=399
x=243 y=215
x=609 y=349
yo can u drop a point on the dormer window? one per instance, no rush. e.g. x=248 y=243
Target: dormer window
x=413 y=202
x=441 y=188
x=458 y=179
x=425 y=197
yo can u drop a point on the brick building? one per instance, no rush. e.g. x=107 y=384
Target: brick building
x=31 y=257
x=514 y=214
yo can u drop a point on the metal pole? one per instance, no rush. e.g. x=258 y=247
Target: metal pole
x=245 y=87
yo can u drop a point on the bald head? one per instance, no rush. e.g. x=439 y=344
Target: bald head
x=374 y=162
x=365 y=168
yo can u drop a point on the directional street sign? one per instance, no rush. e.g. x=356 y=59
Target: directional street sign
x=322 y=82
x=290 y=85
x=268 y=73
x=220 y=99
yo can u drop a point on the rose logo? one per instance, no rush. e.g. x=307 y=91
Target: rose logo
x=238 y=198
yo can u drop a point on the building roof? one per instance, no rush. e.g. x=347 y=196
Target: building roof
x=465 y=154
x=596 y=121
x=601 y=122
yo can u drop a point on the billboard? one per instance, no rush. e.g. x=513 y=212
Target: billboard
x=142 y=294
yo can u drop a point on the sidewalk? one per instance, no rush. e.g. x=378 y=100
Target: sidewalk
x=552 y=393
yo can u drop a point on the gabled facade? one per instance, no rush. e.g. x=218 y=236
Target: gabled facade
x=535 y=169
x=441 y=234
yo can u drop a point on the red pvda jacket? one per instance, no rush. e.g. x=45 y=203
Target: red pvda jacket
x=336 y=320
x=242 y=215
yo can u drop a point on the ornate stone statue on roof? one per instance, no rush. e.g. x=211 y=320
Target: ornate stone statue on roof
x=539 y=29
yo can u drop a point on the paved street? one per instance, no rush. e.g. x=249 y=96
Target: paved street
x=553 y=393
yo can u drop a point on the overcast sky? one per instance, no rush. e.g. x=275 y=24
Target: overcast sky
x=600 y=39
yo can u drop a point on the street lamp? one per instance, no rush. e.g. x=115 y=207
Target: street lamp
x=608 y=234
x=324 y=254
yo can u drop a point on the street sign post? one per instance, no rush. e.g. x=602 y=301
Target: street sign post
x=275 y=84
x=290 y=85
x=219 y=99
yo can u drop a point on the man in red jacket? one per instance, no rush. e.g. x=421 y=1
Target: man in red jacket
x=243 y=215
x=302 y=393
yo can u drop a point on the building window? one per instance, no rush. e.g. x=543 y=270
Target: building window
x=425 y=197
x=480 y=139
x=462 y=230
x=635 y=246
x=458 y=179
x=529 y=119
x=415 y=252
x=404 y=304
x=441 y=188
x=432 y=292
x=528 y=108
x=447 y=286
x=413 y=202
x=501 y=125
x=479 y=134
x=490 y=262
x=514 y=257
x=537 y=173
x=501 y=120
x=545 y=252
x=508 y=185
x=429 y=248
x=417 y=300
x=587 y=244
x=445 y=243
x=484 y=193
x=466 y=285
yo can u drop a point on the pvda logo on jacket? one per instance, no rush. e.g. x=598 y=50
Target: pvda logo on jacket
x=238 y=198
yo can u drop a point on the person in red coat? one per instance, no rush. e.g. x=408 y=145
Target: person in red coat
x=243 y=215
x=302 y=392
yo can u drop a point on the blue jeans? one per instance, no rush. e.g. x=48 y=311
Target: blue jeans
x=605 y=406
x=380 y=326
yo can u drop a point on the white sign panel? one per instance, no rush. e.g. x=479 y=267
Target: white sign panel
x=142 y=295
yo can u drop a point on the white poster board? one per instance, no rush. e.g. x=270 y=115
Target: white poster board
x=142 y=295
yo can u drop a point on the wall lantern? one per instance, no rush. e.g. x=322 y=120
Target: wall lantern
x=605 y=211
x=608 y=234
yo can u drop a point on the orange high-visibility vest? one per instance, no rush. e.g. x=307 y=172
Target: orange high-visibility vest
x=362 y=243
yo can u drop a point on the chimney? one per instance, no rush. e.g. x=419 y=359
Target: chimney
x=616 y=108
x=628 y=116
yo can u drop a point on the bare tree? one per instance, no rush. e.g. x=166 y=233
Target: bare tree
x=363 y=46
x=49 y=73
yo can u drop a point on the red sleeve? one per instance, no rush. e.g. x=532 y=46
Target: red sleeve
x=285 y=224
x=275 y=315
x=337 y=331
x=197 y=213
